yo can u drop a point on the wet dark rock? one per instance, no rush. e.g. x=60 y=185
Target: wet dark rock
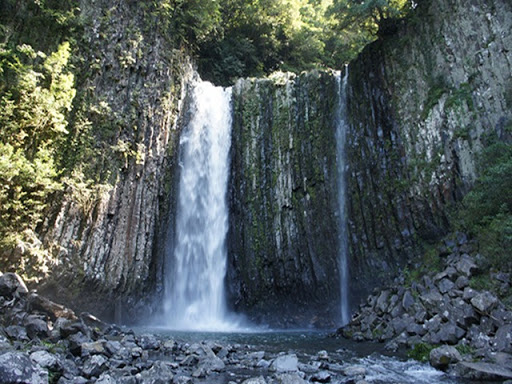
x=442 y=357
x=45 y=360
x=482 y=371
x=49 y=308
x=11 y=284
x=321 y=377
x=16 y=367
x=36 y=326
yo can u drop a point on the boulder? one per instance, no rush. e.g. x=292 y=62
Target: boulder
x=255 y=380
x=36 y=327
x=95 y=366
x=45 y=359
x=159 y=373
x=285 y=363
x=503 y=339
x=12 y=284
x=289 y=378
x=321 y=377
x=484 y=302
x=466 y=266
x=94 y=348
x=16 y=367
x=48 y=307
x=482 y=371
x=445 y=285
x=443 y=356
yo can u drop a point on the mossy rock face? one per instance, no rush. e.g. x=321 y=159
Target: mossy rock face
x=283 y=235
x=422 y=104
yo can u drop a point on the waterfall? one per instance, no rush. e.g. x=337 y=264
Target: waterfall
x=341 y=130
x=195 y=298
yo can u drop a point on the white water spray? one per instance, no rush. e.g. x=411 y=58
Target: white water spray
x=195 y=297
x=341 y=129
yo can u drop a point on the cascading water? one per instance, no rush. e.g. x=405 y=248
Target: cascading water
x=195 y=297
x=341 y=129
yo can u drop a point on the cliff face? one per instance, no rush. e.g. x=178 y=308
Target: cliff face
x=105 y=243
x=283 y=215
x=422 y=103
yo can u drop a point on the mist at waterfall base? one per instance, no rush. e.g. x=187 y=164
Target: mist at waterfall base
x=194 y=287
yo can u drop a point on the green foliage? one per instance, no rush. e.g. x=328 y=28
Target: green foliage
x=486 y=211
x=421 y=352
x=35 y=97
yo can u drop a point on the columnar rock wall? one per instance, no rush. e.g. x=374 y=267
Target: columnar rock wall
x=422 y=103
x=282 y=241
x=106 y=247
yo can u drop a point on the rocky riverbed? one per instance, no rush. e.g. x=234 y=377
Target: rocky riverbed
x=441 y=318
x=44 y=342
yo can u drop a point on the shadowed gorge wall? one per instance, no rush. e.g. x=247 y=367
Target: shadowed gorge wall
x=422 y=103
x=282 y=241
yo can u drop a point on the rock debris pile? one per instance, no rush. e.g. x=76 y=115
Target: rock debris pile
x=441 y=309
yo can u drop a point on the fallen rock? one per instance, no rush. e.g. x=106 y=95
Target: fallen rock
x=484 y=302
x=482 y=371
x=286 y=363
x=16 y=367
x=289 y=378
x=255 y=380
x=11 y=284
x=442 y=357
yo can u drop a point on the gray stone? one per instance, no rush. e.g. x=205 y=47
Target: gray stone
x=461 y=282
x=11 y=284
x=45 y=359
x=148 y=342
x=289 y=378
x=285 y=363
x=36 y=327
x=445 y=285
x=94 y=348
x=17 y=332
x=431 y=300
x=382 y=303
x=354 y=370
x=16 y=367
x=255 y=380
x=442 y=357
x=484 y=302
x=321 y=377
x=95 y=366
x=263 y=364
x=450 y=333
x=482 y=371
x=469 y=293
x=182 y=379
x=159 y=373
x=503 y=339
x=212 y=363
x=466 y=266
x=407 y=300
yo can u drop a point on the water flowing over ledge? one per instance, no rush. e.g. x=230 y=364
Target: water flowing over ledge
x=341 y=131
x=196 y=267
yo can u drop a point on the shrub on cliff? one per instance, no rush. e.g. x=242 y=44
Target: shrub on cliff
x=487 y=209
